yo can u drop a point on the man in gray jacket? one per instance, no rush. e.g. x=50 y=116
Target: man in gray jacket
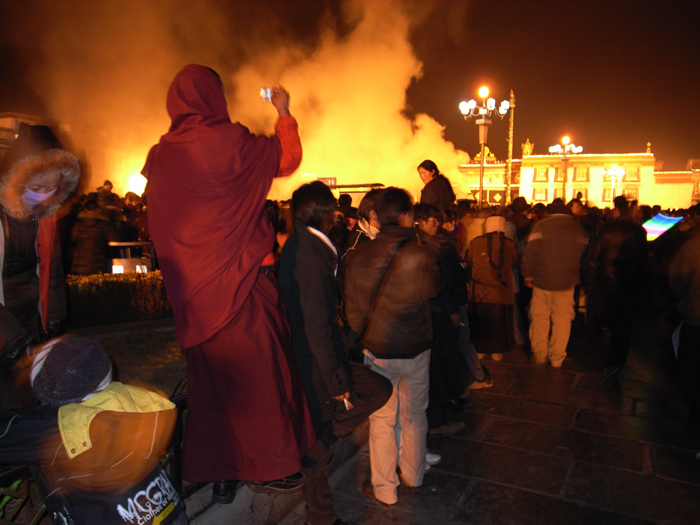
x=551 y=266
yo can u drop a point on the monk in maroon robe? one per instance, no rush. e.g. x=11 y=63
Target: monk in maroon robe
x=208 y=179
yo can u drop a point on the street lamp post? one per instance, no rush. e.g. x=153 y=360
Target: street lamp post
x=488 y=107
x=615 y=174
x=565 y=149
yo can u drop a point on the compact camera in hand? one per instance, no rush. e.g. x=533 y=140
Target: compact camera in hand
x=266 y=94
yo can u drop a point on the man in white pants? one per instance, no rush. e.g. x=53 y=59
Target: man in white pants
x=551 y=266
x=388 y=283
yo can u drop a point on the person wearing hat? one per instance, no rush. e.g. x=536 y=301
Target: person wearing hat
x=491 y=259
x=551 y=266
x=522 y=222
x=94 y=444
x=36 y=177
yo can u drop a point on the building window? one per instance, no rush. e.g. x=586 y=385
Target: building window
x=558 y=175
x=558 y=193
x=632 y=174
x=607 y=196
x=581 y=174
x=541 y=174
x=539 y=194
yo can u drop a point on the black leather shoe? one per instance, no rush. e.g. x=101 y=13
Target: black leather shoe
x=224 y=491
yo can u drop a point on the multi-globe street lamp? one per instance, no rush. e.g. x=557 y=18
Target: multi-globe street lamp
x=565 y=149
x=615 y=173
x=486 y=109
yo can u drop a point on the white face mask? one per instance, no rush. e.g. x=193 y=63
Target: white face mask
x=33 y=198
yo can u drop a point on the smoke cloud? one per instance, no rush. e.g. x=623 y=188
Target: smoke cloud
x=107 y=65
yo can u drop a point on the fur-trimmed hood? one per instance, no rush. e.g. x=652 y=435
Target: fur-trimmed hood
x=36 y=151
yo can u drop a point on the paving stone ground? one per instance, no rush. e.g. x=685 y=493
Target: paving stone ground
x=555 y=446
x=541 y=446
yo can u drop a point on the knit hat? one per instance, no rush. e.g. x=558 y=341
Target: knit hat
x=70 y=370
x=495 y=223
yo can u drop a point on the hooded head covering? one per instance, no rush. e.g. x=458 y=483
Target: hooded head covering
x=35 y=152
x=207 y=183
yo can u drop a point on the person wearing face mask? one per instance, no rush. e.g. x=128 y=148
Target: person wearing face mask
x=36 y=176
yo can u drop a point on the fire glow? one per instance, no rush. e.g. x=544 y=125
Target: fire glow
x=348 y=96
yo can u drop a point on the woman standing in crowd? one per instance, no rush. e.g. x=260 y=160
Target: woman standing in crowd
x=36 y=176
x=491 y=259
x=437 y=190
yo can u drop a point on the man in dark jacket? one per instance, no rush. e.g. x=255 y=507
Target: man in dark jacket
x=685 y=285
x=340 y=395
x=91 y=233
x=388 y=285
x=618 y=271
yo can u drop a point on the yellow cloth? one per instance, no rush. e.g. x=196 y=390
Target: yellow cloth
x=74 y=419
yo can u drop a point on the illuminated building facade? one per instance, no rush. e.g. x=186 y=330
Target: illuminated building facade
x=599 y=178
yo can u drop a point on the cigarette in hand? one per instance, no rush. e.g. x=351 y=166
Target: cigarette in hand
x=348 y=405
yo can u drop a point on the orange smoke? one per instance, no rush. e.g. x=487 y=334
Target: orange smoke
x=106 y=66
x=348 y=97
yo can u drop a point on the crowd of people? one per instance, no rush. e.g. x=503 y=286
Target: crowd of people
x=299 y=319
x=94 y=220
x=429 y=290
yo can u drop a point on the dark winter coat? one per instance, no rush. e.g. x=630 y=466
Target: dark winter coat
x=307 y=279
x=29 y=238
x=554 y=253
x=439 y=193
x=453 y=270
x=685 y=280
x=619 y=258
x=388 y=285
x=90 y=235
x=445 y=303
x=357 y=238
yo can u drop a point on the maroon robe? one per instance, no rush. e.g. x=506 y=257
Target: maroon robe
x=208 y=179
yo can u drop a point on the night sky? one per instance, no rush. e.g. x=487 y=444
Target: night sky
x=613 y=75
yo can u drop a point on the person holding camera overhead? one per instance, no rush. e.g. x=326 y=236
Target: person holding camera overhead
x=208 y=179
